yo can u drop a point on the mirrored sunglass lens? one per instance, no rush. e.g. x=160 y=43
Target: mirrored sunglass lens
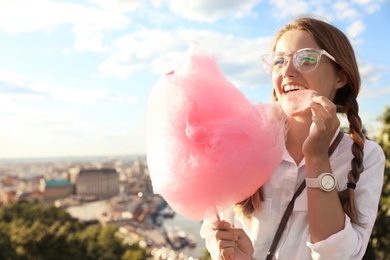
x=306 y=60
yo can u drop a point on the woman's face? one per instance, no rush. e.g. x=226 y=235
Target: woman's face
x=325 y=79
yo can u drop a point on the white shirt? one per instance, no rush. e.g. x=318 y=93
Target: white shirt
x=295 y=243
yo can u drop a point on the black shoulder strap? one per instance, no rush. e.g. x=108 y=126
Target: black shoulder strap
x=289 y=209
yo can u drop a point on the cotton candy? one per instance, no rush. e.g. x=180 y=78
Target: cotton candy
x=208 y=146
x=297 y=101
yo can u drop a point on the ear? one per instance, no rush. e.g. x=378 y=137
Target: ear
x=341 y=79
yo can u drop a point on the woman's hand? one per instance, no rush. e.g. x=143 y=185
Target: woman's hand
x=233 y=243
x=324 y=126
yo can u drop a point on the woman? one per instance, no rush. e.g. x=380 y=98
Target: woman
x=333 y=220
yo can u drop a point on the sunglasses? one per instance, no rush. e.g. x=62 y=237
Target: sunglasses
x=304 y=60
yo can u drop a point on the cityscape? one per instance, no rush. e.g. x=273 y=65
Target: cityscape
x=107 y=190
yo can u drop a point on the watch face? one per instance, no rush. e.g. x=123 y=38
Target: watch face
x=327 y=182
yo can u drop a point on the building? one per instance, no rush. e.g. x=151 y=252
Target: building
x=7 y=196
x=55 y=189
x=101 y=183
x=35 y=196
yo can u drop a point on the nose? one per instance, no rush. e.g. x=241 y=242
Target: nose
x=289 y=69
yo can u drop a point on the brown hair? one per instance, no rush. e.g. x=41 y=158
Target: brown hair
x=334 y=41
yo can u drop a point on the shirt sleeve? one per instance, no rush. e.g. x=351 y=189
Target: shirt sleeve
x=351 y=242
x=208 y=234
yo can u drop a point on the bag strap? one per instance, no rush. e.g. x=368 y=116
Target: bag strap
x=289 y=209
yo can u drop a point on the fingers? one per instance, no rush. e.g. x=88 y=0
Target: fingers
x=228 y=253
x=221 y=225
x=325 y=103
x=325 y=123
x=225 y=235
x=323 y=107
x=324 y=114
x=226 y=238
x=227 y=248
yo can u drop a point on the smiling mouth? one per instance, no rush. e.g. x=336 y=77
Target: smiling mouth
x=290 y=88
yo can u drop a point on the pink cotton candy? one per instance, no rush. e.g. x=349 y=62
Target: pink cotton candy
x=208 y=146
x=297 y=101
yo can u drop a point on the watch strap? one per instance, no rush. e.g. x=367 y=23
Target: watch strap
x=312 y=182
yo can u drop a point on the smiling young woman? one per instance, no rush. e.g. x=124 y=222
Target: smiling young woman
x=332 y=218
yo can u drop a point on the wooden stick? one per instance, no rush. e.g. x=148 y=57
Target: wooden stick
x=217 y=214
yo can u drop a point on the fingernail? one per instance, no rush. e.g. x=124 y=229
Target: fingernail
x=226 y=224
x=316 y=98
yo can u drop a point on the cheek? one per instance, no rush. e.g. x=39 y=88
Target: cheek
x=277 y=83
x=324 y=81
x=324 y=85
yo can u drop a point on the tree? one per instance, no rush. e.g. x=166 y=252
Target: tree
x=6 y=249
x=137 y=254
x=34 y=231
x=109 y=242
x=379 y=244
x=88 y=240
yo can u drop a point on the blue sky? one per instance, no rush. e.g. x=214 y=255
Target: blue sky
x=75 y=75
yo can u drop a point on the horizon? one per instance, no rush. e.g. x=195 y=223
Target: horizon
x=70 y=157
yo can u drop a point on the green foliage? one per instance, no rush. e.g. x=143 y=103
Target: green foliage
x=134 y=255
x=6 y=251
x=108 y=241
x=379 y=245
x=206 y=255
x=33 y=231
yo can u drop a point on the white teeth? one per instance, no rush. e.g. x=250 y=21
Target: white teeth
x=288 y=88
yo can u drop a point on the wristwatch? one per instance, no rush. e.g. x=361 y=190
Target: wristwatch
x=325 y=181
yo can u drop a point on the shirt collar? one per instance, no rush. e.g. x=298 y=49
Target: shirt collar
x=287 y=157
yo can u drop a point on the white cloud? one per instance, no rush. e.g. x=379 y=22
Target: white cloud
x=88 y=23
x=366 y=2
x=160 y=51
x=374 y=93
x=352 y=12
x=371 y=74
x=209 y=11
x=288 y=8
x=119 y=5
x=31 y=16
x=88 y=38
x=370 y=6
x=356 y=28
x=39 y=89
x=345 y=11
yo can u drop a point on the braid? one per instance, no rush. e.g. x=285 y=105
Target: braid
x=347 y=196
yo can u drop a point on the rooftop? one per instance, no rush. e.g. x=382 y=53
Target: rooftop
x=57 y=183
